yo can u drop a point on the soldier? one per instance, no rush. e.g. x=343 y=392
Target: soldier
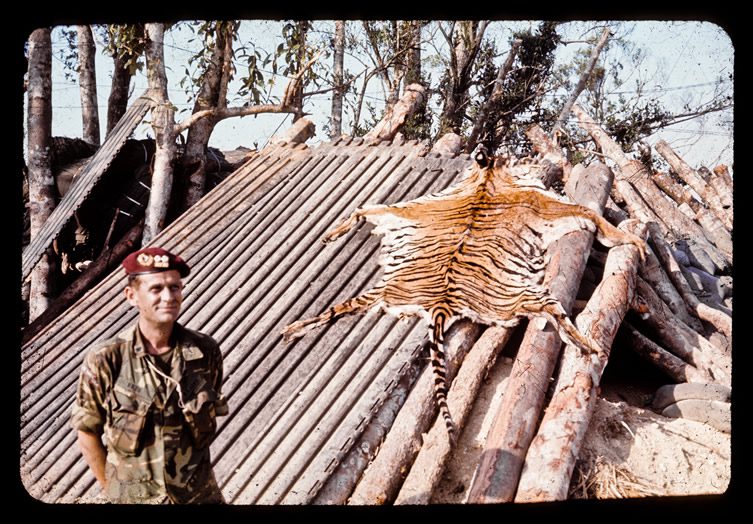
x=153 y=392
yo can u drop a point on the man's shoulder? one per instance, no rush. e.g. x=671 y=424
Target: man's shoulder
x=201 y=340
x=113 y=346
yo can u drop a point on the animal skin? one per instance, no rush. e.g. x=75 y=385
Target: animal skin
x=476 y=250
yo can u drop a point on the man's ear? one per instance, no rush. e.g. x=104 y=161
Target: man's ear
x=130 y=295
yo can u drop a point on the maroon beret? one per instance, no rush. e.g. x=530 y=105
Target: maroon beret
x=154 y=260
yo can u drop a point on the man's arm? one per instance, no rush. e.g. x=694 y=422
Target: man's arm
x=94 y=453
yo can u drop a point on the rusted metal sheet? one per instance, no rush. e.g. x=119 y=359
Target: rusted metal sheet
x=84 y=183
x=258 y=263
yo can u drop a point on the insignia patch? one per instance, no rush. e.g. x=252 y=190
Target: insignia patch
x=144 y=259
x=161 y=261
x=192 y=353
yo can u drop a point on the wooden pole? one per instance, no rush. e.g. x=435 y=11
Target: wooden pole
x=426 y=472
x=496 y=476
x=382 y=479
x=551 y=458
x=689 y=175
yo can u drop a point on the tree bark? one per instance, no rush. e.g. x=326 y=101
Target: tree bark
x=335 y=123
x=395 y=116
x=163 y=124
x=117 y=102
x=674 y=367
x=483 y=114
x=448 y=144
x=553 y=452
x=684 y=171
x=88 y=84
x=39 y=143
x=558 y=167
x=427 y=470
x=382 y=479
x=496 y=477
x=567 y=108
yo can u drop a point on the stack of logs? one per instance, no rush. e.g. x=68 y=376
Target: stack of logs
x=681 y=323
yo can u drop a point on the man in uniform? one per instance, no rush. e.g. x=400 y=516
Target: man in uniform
x=153 y=391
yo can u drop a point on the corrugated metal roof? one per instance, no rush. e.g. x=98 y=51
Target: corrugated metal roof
x=84 y=183
x=258 y=263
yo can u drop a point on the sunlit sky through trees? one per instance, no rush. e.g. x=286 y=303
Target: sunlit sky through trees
x=682 y=65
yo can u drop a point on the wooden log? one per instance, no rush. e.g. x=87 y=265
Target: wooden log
x=680 y=339
x=448 y=144
x=427 y=470
x=718 y=319
x=720 y=187
x=636 y=174
x=672 y=366
x=722 y=171
x=382 y=479
x=395 y=116
x=301 y=130
x=496 y=476
x=714 y=228
x=689 y=175
x=551 y=458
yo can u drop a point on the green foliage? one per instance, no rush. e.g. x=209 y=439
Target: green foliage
x=127 y=42
x=211 y=34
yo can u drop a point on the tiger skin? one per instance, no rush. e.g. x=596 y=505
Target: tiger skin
x=476 y=250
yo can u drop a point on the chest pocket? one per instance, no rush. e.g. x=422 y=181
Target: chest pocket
x=199 y=408
x=129 y=412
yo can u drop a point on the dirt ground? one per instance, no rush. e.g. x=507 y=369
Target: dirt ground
x=629 y=450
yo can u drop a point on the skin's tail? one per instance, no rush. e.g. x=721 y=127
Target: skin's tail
x=439 y=367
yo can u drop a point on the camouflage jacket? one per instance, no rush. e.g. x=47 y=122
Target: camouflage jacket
x=157 y=431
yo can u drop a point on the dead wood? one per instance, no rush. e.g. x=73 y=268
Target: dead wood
x=634 y=173
x=696 y=182
x=551 y=458
x=301 y=130
x=496 y=476
x=672 y=366
x=679 y=338
x=427 y=470
x=395 y=116
x=380 y=482
x=558 y=167
x=448 y=144
x=718 y=319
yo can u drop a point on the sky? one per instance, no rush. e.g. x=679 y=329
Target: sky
x=683 y=62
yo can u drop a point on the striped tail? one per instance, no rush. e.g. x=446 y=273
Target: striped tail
x=439 y=367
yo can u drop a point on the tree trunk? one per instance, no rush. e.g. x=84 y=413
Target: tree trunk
x=88 y=82
x=551 y=458
x=496 y=477
x=209 y=95
x=483 y=114
x=117 y=103
x=336 y=120
x=595 y=52
x=467 y=43
x=689 y=175
x=413 y=62
x=39 y=143
x=163 y=124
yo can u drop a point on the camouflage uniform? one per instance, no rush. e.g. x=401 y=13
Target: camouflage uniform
x=156 y=451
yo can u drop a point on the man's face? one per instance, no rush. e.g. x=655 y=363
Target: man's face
x=157 y=296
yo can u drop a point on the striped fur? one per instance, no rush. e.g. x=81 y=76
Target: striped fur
x=476 y=250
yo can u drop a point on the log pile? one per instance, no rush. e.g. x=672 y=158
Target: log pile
x=672 y=309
